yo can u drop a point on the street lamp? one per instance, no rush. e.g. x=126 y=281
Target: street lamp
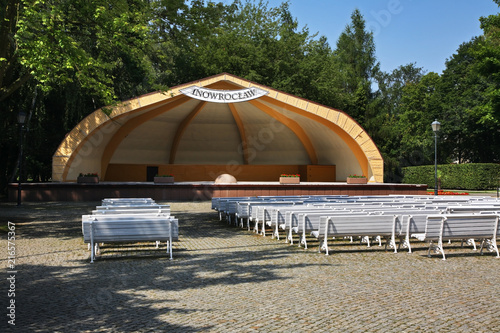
x=21 y=119
x=436 y=126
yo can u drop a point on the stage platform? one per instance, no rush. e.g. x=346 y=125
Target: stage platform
x=197 y=191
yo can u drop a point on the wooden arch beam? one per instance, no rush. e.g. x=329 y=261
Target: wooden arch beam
x=345 y=136
x=292 y=125
x=182 y=128
x=129 y=126
x=241 y=129
x=352 y=141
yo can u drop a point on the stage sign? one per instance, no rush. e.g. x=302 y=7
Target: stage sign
x=224 y=96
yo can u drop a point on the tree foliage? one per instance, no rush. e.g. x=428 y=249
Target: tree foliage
x=62 y=59
x=92 y=43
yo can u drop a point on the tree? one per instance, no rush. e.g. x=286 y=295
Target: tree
x=357 y=67
x=488 y=66
x=78 y=56
x=382 y=125
x=420 y=106
x=92 y=43
x=471 y=129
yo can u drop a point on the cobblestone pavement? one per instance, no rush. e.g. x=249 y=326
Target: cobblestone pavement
x=226 y=279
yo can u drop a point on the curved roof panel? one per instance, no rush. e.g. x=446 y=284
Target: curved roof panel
x=172 y=128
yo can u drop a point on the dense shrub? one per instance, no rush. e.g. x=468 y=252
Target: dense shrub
x=471 y=176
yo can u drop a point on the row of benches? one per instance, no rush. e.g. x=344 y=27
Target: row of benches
x=129 y=220
x=432 y=219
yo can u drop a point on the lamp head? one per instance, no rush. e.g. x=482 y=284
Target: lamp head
x=21 y=117
x=436 y=126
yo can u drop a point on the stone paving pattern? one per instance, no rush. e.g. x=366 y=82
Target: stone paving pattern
x=226 y=279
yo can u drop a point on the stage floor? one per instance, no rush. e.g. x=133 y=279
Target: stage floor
x=198 y=191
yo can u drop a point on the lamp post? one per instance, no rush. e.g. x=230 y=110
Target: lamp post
x=21 y=119
x=436 y=126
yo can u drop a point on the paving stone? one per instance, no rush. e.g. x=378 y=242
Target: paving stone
x=226 y=279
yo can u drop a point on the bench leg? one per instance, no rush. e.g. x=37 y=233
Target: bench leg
x=407 y=242
x=469 y=241
x=91 y=243
x=256 y=226
x=391 y=241
x=494 y=246
x=92 y=254
x=440 y=247
x=303 y=240
x=437 y=248
x=491 y=245
x=324 y=245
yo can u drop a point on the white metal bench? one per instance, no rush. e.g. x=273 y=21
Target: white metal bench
x=460 y=227
x=121 y=201
x=120 y=228
x=278 y=215
x=133 y=211
x=355 y=225
x=132 y=206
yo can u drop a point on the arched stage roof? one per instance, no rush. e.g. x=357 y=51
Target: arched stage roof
x=180 y=134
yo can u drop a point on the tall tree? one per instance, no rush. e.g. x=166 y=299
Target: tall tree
x=388 y=103
x=91 y=43
x=488 y=66
x=420 y=106
x=357 y=66
x=468 y=110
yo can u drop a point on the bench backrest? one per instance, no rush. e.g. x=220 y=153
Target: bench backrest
x=461 y=226
x=257 y=211
x=473 y=208
x=357 y=225
x=138 y=211
x=279 y=214
x=415 y=223
x=311 y=221
x=118 y=228
x=118 y=201
x=133 y=206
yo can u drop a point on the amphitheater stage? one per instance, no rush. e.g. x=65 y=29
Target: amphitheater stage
x=198 y=191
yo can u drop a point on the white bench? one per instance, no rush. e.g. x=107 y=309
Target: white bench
x=413 y=225
x=259 y=214
x=460 y=227
x=120 y=201
x=132 y=206
x=355 y=225
x=278 y=215
x=473 y=208
x=122 y=228
x=310 y=222
x=133 y=211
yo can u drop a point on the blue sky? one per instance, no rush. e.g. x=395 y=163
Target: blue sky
x=425 y=32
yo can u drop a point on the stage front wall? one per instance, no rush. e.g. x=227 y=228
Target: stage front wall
x=138 y=172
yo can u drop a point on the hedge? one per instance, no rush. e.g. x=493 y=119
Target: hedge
x=470 y=176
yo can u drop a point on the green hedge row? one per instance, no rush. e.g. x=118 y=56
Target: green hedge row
x=471 y=176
